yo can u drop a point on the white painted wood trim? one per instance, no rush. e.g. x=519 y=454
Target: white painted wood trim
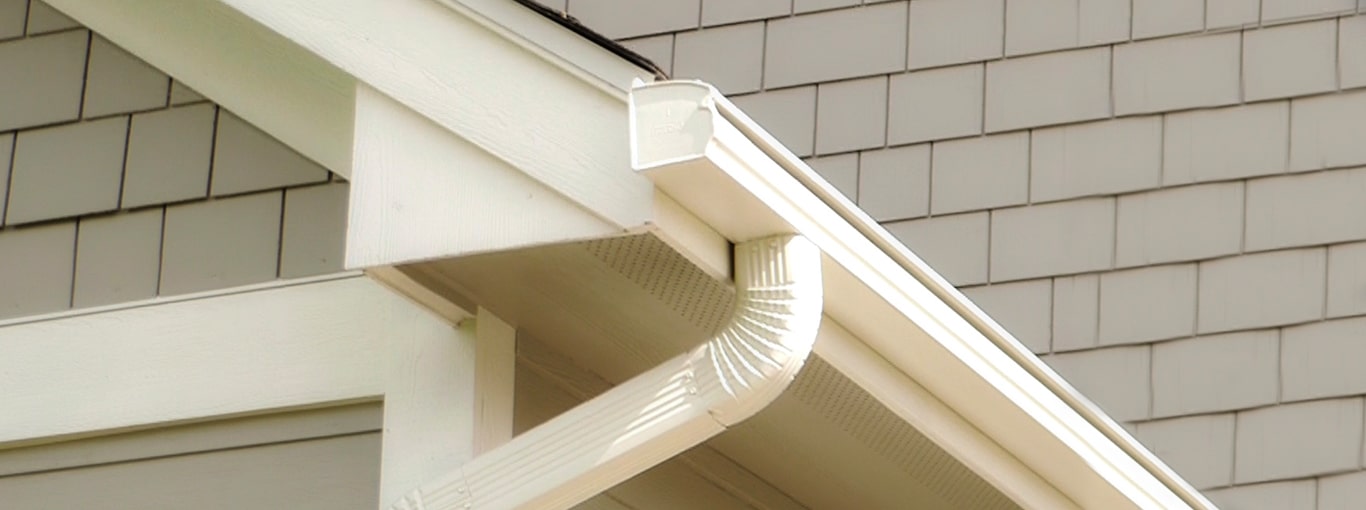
x=429 y=403
x=664 y=411
x=684 y=138
x=502 y=98
x=404 y=285
x=495 y=370
x=260 y=75
x=420 y=192
x=242 y=353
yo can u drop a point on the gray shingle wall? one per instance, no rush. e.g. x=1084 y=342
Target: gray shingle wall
x=1164 y=198
x=118 y=183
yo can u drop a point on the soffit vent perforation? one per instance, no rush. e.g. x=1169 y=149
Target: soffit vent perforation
x=668 y=276
x=828 y=392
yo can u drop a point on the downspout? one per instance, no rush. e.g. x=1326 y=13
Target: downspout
x=664 y=411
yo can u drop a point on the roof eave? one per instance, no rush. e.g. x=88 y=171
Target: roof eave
x=705 y=153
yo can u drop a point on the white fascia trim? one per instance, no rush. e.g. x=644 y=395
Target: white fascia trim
x=664 y=411
x=166 y=361
x=719 y=164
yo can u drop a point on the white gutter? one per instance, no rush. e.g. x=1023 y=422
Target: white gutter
x=664 y=411
x=716 y=162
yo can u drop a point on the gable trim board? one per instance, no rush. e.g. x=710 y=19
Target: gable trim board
x=997 y=401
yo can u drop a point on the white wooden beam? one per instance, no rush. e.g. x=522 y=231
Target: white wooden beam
x=420 y=192
x=428 y=405
x=243 y=353
x=261 y=76
x=494 y=374
x=475 y=80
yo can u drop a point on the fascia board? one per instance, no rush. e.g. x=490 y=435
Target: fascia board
x=503 y=93
x=165 y=361
x=261 y=76
x=685 y=135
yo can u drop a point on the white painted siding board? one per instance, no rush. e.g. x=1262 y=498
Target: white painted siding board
x=394 y=213
x=169 y=153
x=1352 y=51
x=1156 y=18
x=37 y=260
x=1291 y=495
x=42 y=18
x=12 y=14
x=715 y=12
x=1276 y=10
x=1076 y=312
x=1231 y=13
x=1325 y=131
x=118 y=82
x=1045 y=89
x=221 y=243
x=731 y=58
x=619 y=20
x=233 y=354
x=1199 y=448
x=789 y=115
x=50 y=90
x=247 y=159
x=67 y=170
x=314 y=238
x=944 y=32
x=1302 y=210
x=1342 y=492
x=1323 y=359
x=1296 y=440
x=1059 y=238
x=840 y=171
x=959 y=168
x=954 y=246
x=1347 y=280
x=893 y=184
x=835 y=44
x=1265 y=289
x=1023 y=308
x=118 y=258
x=335 y=473
x=935 y=104
x=851 y=115
x=1096 y=158
x=1116 y=379
x=1290 y=60
x=1215 y=373
x=1152 y=303
x=659 y=49
x=1179 y=224
x=1225 y=143
x=1177 y=73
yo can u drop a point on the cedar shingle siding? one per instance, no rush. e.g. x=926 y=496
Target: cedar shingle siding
x=118 y=183
x=1166 y=198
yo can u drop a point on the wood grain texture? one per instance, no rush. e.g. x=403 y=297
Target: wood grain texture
x=236 y=354
x=420 y=192
x=494 y=376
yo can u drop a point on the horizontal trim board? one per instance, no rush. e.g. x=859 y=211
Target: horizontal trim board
x=237 y=354
x=194 y=438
